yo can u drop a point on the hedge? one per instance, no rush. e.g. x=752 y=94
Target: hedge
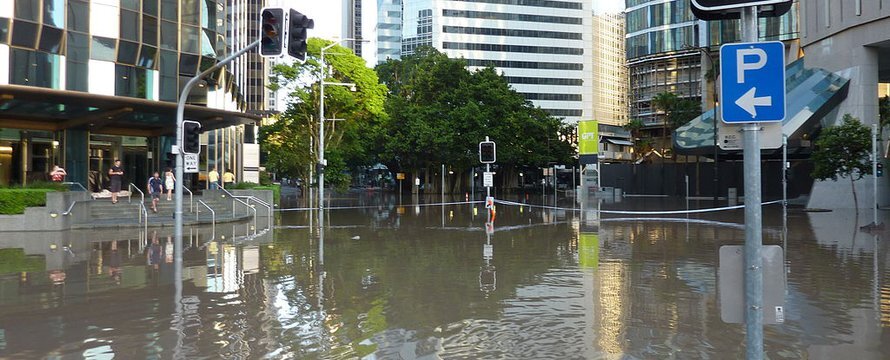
x=14 y=201
x=276 y=189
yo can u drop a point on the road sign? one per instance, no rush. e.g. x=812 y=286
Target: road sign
x=190 y=163
x=721 y=5
x=488 y=179
x=400 y=176
x=731 y=284
x=730 y=136
x=752 y=85
x=487 y=152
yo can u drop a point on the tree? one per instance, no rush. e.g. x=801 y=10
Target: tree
x=843 y=151
x=634 y=126
x=291 y=143
x=677 y=111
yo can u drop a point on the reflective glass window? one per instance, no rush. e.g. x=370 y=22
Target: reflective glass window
x=207 y=63
x=78 y=16
x=150 y=30
x=129 y=25
x=221 y=17
x=33 y=68
x=190 y=11
x=24 y=34
x=189 y=39
x=170 y=10
x=78 y=47
x=188 y=64
x=77 y=76
x=51 y=39
x=27 y=10
x=207 y=40
x=130 y=4
x=206 y=7
x=129 y=81
x=127 y=52
x=169 y=35
x=54 y=13
x=76 y=62
x=150 y=7
x=169 y=75
x=4 y=30
x=147 y=57
x=104 y=49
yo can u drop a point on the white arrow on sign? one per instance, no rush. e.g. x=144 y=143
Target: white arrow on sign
x=749 y=102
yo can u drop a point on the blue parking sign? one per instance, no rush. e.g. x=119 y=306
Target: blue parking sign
x=752 y=85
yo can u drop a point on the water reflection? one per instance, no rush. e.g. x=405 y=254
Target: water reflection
x=385 y=280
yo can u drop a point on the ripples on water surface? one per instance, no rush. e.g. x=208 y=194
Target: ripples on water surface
x=417 y=282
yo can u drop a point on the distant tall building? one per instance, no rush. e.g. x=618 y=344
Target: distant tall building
x=250 y=70
x=542 y=47
x=610 y=88
x=389 y=30
x=352 y=25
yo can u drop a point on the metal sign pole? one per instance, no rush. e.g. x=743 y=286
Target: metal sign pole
x=874 y=171
x=753 y=219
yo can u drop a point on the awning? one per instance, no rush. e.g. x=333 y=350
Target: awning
x=36 y=108
x=619 y=142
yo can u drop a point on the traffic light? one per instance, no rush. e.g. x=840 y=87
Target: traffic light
x=297 y=34
x=272 y=32
x=880 y=171
x=487 y=152
x=191 y=137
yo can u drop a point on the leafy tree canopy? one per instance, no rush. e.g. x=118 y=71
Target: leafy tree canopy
x=843 y=151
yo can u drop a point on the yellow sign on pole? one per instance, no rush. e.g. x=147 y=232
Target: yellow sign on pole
x=400 y=176
x=588 y=137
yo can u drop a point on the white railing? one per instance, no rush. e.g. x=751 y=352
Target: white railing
x=191 y=198
x=212 y=217
x=143 y=218
x=141 y=203
x=261 y=202
x=70 y=207
x=248 y=206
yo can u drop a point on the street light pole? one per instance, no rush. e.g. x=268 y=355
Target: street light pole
x=321 y=160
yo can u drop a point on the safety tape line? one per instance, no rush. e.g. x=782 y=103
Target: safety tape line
x=626 y=212
x=378 y=206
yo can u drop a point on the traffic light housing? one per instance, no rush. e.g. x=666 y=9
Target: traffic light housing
x=298 y=25
x=191 y=137
x=880 y=172
x=487 y=152
x=272 y=32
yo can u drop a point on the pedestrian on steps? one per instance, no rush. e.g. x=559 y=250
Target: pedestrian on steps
x=169 y=182
x=155 y=189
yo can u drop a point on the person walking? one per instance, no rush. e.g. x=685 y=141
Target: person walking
x=116 y=173
x=228 y=178
x=169 y=182
x=58 y=174
x=155 y=188
x=213 y=179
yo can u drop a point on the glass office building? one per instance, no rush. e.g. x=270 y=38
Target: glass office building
x=85 y=82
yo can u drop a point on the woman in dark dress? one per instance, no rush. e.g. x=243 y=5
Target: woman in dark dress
x=116 y=173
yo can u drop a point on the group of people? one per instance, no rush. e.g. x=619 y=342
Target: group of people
x=228 y=179
x=156 y=187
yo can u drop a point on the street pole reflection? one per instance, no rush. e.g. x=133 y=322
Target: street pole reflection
x=488 y=273
x=321 y=275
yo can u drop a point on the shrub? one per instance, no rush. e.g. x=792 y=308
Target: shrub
x=14 y=201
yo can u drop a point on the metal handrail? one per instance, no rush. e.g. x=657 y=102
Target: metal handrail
x=191 y=197
x=70 y=207
x=130 y=195
x=144 y=215
x=258 y=200
x=236 y=198
x=75 y=183
x=212 y=217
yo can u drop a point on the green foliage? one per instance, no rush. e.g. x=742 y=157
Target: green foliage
x=677 y=111
x=276 y=189
x=14 y=201
x=291 y=143
x=265 y=178
x=439 y=111
x=843 y=151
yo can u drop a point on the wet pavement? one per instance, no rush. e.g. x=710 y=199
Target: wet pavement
x=388 y=282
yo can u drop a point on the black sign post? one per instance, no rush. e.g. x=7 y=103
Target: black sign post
x=732 y=9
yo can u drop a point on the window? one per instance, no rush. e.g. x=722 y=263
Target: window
x=54 y=13
x=147 y=57
x=190 y=12
x=129 y=25
x=169 y=10
x=130 y=81
x=208 y=14
x=51 y=40
x=33 y=68
x=27 y=10
x=104 y=49
x=169 y=75
x=150 y=7
x=513 y=48
x=78 y=56
x=78 y=16
x=127 y=52
x=4 y=30
x=169 y=35
x=24 y=33
x=513 y=17
x=188 y=64
x=130 y=4
x=189 y=40
x=150 y=30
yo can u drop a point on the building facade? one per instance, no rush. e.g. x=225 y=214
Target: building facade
x=352 y=25
x=85 y=82
x=851 y=39
x=542 y=47
x=610 y=82
x=389 y=30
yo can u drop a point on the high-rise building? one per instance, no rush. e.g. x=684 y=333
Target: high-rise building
x=352 y=25
x=610 y=88
x=389 y=30
x=85 y=82
x=541 y=47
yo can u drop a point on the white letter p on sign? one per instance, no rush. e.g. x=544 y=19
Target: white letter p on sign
x=743 y=66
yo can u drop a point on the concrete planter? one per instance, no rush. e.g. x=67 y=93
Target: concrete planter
x=49 y=217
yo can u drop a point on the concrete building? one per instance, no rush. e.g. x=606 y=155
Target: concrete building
x=389 y=30
x=542 y=48
x=610 y=82
x=352 y=25
x=85 y=82
x=852 y=39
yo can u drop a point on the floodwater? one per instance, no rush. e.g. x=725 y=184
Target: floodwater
x=383 y=281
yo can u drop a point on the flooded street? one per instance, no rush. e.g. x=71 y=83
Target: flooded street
x=388 y=282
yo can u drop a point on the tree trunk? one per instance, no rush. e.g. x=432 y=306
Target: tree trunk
x=855 y=200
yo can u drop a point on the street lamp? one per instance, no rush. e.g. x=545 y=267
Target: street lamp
x=321 y=160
